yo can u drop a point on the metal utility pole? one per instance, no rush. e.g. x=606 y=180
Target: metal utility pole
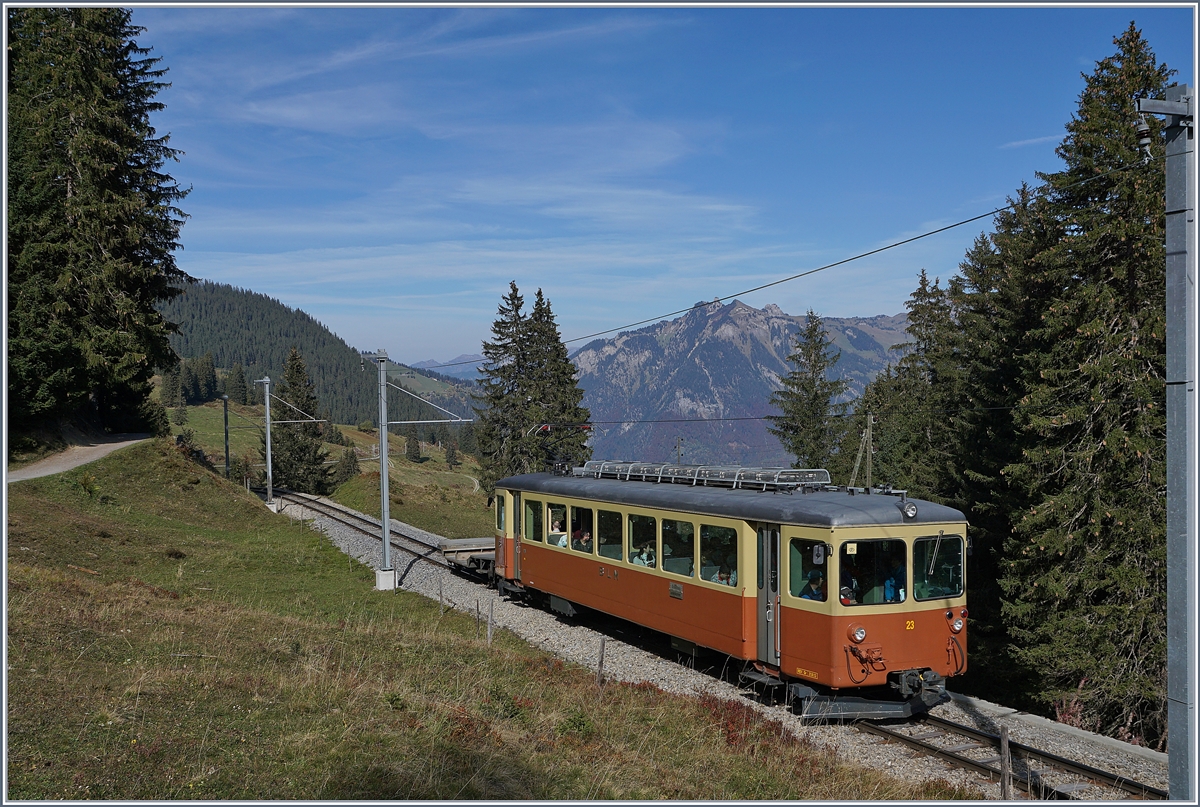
x=225 y=402
x=385 y=577
x=266 y=382
x=1181 y=433
x=870 y=449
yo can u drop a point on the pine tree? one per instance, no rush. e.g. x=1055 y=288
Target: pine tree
x=502 y=416
x=168 y=393
x=412 y=444
x=1085 y=574
x=189 y=382
x=92 y=224
x=553 y=392
x=451 y=454
x=810 y=425
x=297 y=452
x=346 y=468
x=206 y=378
x=528 y=381
x=235 y=385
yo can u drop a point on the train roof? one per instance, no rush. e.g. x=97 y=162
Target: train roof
x=803 y=505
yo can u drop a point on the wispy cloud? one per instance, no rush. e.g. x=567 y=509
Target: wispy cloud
x=1016 y=144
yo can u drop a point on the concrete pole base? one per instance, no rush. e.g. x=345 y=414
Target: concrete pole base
x=385 y=579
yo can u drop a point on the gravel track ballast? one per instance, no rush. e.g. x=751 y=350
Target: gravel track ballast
x=623 y=662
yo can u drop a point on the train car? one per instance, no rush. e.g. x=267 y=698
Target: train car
x=853 y=600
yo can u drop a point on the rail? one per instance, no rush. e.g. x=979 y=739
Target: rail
x=357 y=522
x=1031 y=780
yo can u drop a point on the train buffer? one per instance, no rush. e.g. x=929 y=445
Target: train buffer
x=471 y=554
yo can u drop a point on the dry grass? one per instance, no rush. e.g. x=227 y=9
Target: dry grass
x=220 y=652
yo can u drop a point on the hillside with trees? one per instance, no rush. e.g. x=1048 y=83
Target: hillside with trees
x=1031 y=395
x=249 y=335
x=92 y=222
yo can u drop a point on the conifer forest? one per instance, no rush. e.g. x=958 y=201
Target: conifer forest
x=1029 y=395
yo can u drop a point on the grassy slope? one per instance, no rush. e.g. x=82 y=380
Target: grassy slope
x=428 y=494
x=170 y=638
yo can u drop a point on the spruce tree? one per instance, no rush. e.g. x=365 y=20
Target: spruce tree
x=297 y=451
x=412 y=444
x=810 y=425
x=346 y=468
x=235 y=385
x=168 y=393
x=501 y=415
x=206 y=378
x=451 y=455
x=1085 y=573
x=528 y=381
x=553 y=393
x=92 y=221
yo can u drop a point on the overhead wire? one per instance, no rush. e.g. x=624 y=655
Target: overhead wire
x=859 y=256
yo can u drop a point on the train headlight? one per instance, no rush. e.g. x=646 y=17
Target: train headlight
x=957 y=625
x=856 y=633
x=909 y=509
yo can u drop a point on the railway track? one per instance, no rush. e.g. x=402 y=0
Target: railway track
x=421 y=550
x=1039 y=774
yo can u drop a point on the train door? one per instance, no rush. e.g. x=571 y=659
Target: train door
x=518 y=522
x=768 y=593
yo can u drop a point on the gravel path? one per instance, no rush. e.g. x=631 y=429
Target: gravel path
x=581 y=645
x=73 y=457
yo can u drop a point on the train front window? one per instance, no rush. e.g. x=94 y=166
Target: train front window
x=643 y=540
x=608 y=534
x=678 y=546
x=558 y=525
x=872 y=572
x=500 y=510
x=938 y=567
x=533 y=520
x=581 y=530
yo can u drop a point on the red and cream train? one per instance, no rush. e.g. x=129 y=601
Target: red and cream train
x=852 y=599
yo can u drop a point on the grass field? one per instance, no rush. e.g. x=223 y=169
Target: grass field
x=170 y=638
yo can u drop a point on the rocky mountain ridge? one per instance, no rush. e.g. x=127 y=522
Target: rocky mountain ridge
x=696 y=388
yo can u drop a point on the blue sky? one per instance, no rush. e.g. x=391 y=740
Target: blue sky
x=390 y=169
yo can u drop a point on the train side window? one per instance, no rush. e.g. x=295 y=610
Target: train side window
x=872 y=572
x=581 y=530
x=500 y=497
x=938 y=567
x=718 y=554
x=533 y=520
x=608 y=534
x=558 y=525
x=806 y=579
x=678 y=547
x=643 y=541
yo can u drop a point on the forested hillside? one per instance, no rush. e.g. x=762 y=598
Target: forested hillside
x=1032 y=397
x=239 y=326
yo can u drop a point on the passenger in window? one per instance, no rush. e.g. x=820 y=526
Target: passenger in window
x=893 y=586
x=814 y=589
x=644 y=556
x=725 y=577
x=849 y=581
x=584 y=542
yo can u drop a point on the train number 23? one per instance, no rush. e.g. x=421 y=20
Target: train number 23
x=910 y=625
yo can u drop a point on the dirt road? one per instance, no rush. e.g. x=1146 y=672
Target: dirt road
x=74 y=456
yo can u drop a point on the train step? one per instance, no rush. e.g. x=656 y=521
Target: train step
x=762 y=679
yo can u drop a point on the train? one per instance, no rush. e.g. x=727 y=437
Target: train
x=850 y=602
